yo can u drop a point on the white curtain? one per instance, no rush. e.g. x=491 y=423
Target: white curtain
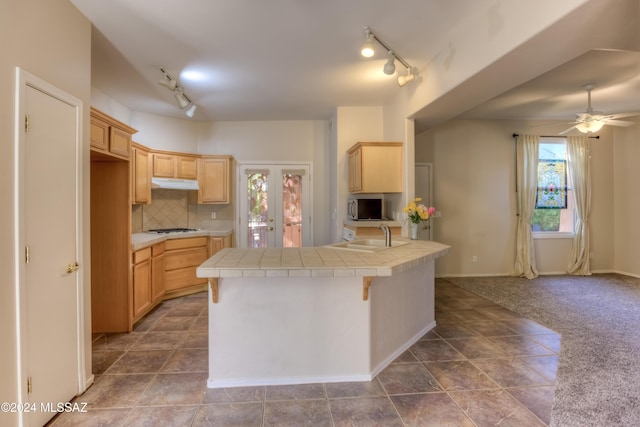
x=526 y=186
x=579 y=173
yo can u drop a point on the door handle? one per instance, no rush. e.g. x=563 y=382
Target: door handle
x=72 y=267
x=270 y=228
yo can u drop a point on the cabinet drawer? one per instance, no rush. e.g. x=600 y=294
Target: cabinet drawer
x=185 y=258
x=181 y=278
x=190 y=242
x=157 y=249
x=141 y=255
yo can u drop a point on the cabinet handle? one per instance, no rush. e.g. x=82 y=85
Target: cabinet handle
x=72 y=267
x=270 y=228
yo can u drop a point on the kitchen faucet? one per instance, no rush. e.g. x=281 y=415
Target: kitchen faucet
x=387 y=234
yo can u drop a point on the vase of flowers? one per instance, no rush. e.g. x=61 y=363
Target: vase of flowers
x=417 y=213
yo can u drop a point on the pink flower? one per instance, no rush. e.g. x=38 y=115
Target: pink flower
x=431 y=211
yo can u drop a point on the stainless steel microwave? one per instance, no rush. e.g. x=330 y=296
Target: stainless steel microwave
x=364 y=209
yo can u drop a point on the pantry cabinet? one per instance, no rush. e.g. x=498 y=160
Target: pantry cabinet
x=140 y=175
x=182 y=257
x=214 y=180
x=172 y=165
x=110 y=136
x=110 y=224
x=375 y=167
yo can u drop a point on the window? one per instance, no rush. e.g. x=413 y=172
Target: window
x=554 y=215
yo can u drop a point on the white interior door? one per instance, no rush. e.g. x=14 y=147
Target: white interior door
x=275 y=205
x=424 y=190
x=50 y=320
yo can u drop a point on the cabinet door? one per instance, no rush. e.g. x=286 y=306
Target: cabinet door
x=187 y=167
x=157 y=273
x=141 y=288
x=119 y=142
x=355 y=171
x=99 y=134
x=141 y=177
x=214 y=181
x=216 y=244
x=164 y=165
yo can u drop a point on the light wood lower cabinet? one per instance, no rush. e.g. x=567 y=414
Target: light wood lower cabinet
x=182 y=257
x=218 y=243
x=148 y=279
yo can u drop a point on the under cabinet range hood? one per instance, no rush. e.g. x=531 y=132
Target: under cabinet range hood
x=174 y=184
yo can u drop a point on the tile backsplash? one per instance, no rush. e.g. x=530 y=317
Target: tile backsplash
x=178 y=208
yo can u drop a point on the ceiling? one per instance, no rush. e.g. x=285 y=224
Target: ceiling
x=299 y=59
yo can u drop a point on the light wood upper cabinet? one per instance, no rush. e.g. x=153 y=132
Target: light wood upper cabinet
x=375 y=167
x=110 y=136
x=214 y=180
x=171 y=165
x=140 y=175
x=186 y=167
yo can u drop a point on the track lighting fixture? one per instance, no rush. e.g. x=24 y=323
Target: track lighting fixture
x=189 y=112
x=368 y=51
x=390 y=66
x=182 y=99
x=407 y=78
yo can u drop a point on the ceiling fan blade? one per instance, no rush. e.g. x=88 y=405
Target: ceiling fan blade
x=621 y=115
x=566 y=130
x=621 y=123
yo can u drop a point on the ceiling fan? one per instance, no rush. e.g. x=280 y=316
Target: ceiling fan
x=592 y=121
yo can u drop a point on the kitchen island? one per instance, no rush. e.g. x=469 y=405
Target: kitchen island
x=315 y=314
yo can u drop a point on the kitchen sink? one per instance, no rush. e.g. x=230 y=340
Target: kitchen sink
x=366 y=245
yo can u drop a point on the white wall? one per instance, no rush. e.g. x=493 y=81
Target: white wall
x=50 y=40
x=474 y=188
x=626 y=155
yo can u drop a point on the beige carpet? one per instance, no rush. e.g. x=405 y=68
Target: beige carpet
x=598 y=379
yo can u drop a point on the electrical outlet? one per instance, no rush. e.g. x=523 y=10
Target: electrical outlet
x=474 y=259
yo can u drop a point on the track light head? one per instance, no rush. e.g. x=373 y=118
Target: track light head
x=191 y=110
x=168 y=83
x=368 y=49
x=183 y=101
x=390 y=65
x=407 y=78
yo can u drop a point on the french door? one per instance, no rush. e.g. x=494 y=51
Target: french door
x=275 y=205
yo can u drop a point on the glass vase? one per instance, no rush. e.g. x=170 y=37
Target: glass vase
x=413 y=230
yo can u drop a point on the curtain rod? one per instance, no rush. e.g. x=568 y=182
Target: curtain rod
x=515 y=135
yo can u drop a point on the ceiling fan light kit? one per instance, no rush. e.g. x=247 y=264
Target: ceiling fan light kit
x=368 y=51
x=181 y=98
x=592 y=121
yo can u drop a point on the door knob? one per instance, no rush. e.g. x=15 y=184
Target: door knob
x=270 y=228
x=72 y=267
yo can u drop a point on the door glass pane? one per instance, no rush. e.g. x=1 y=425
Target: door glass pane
x=291 y=210
x=258 y=210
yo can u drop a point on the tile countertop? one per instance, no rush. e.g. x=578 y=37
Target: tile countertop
x=319 y=261
x=142 y=240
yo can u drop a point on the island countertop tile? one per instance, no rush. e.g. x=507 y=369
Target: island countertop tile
x=319 y=261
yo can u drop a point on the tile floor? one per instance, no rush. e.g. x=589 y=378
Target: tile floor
x=483 y=365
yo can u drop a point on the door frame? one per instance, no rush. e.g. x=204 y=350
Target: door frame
x=429 y=167
x=23 y=80
x=241 y=240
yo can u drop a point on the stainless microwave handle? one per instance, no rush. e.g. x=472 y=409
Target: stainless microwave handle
x=350 y=209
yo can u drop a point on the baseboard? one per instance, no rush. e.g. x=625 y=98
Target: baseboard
x=387 y=361
x=254 y=382
x=546 y=273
